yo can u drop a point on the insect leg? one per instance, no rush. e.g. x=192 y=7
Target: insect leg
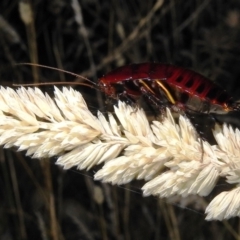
x=125 y=96
x=203 y=123
x=232 y=118
x=167 y=93
x=155 y=102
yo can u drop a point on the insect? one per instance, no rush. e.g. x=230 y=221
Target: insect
x=163 y=85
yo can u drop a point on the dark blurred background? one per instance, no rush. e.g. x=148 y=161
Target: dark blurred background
x=38 y=200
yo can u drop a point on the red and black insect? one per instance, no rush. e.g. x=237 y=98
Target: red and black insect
x=163 y=85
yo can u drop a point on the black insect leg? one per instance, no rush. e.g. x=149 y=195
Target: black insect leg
x=154 y=102
x=126 y=98
x=203 y=123
x=232 y=118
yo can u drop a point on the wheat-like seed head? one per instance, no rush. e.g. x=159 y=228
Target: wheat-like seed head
x=168 y=156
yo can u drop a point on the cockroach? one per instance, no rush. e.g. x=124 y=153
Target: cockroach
x=163 y=85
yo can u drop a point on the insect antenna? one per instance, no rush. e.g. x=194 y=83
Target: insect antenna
x=52 y=83
x=93 y=84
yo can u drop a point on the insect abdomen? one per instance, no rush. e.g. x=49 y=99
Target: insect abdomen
x=197 y=85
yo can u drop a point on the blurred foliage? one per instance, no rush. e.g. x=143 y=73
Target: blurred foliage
x=91 y=37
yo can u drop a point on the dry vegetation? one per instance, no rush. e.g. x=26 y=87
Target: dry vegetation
x=41 y=201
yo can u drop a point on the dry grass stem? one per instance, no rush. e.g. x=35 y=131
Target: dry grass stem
x=168 y=156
